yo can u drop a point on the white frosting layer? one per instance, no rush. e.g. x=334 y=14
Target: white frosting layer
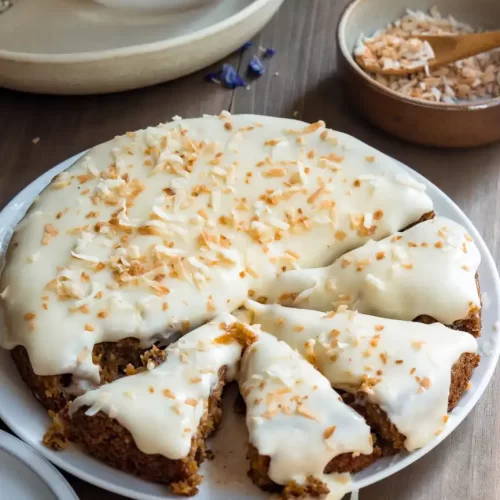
x=161 y=229
x=429 y=269
x=295 y=417
x=162 y=408
x=403 y=367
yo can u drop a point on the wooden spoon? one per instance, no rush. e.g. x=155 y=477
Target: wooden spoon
x=447 y=49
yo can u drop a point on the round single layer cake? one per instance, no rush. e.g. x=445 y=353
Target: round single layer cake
x=160 y=231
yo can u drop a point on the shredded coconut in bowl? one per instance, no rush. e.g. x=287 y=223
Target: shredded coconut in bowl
x=474 y=78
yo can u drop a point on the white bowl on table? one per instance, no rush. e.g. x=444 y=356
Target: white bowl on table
x=86 y=47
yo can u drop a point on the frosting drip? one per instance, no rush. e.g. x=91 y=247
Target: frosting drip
x=403 y=367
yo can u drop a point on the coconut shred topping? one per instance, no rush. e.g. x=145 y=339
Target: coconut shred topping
x=160 y=230
x=403 y=367
x=403 y=276
x=172 y=397
x=295 y=417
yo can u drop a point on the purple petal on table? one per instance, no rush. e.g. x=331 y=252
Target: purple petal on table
x=229 y=77
x=255 y=66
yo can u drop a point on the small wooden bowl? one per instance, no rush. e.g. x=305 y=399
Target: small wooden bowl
x=432 y=124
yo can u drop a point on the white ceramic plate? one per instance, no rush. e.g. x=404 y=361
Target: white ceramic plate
x=83 y=47
x=25 y=474
x=225 y=477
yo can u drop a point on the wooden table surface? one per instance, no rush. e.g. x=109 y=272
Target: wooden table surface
x=301 y=81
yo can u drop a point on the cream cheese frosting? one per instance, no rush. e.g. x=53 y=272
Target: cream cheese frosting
x=162 y=408
x=403 y=367
x=429 y=269
x=295 y=417
x=160 y=230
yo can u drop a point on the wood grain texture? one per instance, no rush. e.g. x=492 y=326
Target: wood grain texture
x=466 y=466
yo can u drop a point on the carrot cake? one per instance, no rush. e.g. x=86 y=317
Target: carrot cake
x=160 y=234
x=160 y=230
x=154 y=424
x=404 y=276
x=406 y=375
x=297 y=423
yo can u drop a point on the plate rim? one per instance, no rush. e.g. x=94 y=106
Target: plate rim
x=388 y=470
x=134 y=50
x=31 y=459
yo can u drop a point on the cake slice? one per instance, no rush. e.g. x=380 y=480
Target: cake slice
x=298 y=425
x=154 y=424
x=406 y=376
x=405 y=276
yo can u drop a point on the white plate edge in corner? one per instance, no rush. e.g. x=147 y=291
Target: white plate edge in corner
x=47 y=473
x=116 y=481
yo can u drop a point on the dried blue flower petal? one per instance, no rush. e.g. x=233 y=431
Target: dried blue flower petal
x=229 y=77
x=255 y=66
x=212 y=77
x=269 y=52
x=246 y=45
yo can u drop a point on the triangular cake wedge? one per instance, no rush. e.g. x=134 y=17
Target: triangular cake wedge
x=154 y=424
x=428 y=273
x=406 y=376
x=298 y=425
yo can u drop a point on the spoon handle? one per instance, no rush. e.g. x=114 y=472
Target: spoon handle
x=448 y=47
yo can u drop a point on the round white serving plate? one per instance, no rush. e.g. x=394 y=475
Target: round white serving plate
x=225 y=477
x=83 y=47
x=25 y=474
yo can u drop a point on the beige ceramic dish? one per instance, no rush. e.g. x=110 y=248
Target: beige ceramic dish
x=433 y=124
x=81 y=47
